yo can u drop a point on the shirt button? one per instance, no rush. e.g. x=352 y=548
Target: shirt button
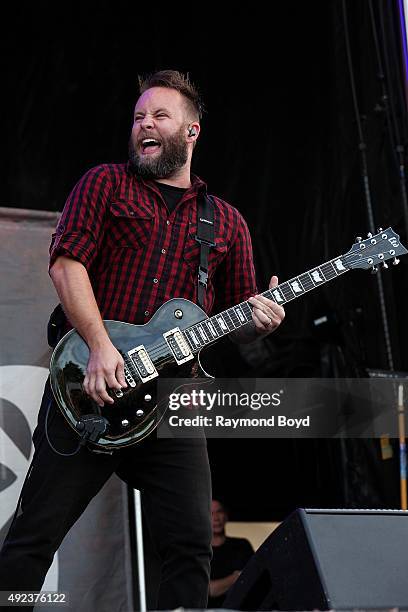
x=155 y=280
x=131 y=213
x=163 y=250
x=168 y=222
x=147 y=313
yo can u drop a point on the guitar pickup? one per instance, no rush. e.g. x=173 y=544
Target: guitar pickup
x=143 y=364
x=178 y=345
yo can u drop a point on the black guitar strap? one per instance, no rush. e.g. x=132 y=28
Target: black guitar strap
x=205 y=237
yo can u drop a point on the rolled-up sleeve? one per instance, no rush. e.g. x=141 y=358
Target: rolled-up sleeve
x=235 y=279
x=81 y=226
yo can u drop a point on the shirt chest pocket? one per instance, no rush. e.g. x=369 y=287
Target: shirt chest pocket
x=191 y=253
x=130 y=226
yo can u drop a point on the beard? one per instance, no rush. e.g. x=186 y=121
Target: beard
x=172 y=156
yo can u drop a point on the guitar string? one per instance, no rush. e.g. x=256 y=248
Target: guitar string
x=156 y=349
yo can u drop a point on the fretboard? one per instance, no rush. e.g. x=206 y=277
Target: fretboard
x=219 y=325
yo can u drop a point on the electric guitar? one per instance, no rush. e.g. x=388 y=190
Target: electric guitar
x=170 y=344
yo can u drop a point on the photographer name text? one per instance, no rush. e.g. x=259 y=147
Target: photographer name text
x=233 y=423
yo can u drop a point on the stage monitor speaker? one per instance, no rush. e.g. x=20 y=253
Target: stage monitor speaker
x=328 y=559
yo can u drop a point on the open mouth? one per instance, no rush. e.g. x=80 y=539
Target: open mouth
x=150 y=145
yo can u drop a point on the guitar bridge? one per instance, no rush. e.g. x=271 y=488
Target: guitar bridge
x=178 y=345
x=143 y=364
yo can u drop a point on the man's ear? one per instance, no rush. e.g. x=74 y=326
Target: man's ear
x=193 y=130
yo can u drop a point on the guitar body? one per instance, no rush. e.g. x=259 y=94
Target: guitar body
x=135 y=414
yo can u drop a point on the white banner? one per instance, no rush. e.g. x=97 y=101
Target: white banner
x=93 y=563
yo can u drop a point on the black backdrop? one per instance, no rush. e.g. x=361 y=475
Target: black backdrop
x=280 y=142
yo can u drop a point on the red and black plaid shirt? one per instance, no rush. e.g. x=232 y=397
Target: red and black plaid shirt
x=138 y=255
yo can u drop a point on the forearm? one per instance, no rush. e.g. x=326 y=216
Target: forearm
x=75 y=291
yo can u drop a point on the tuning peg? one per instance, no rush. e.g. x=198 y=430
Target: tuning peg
x=380 y=229
x=374 y=270
x=395 y=261
x=369 y=235
x=358 y=239
x=385 y=265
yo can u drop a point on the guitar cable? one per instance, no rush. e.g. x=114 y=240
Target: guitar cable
x=32 y=460
x=82 y=442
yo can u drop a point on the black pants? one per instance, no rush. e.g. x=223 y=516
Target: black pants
x=174 y=478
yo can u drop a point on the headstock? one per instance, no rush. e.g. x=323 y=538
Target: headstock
x=375 y=250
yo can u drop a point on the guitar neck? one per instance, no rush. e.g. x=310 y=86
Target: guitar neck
x=219 y=325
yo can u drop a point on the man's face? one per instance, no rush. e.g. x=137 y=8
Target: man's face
x=218 y=517
x=158 y=145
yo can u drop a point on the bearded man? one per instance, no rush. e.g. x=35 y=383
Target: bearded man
x=124 y=245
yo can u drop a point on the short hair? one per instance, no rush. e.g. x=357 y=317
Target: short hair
x=222 y=504
x=173 y=79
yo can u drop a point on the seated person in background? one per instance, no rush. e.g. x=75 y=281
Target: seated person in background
x=230 y=555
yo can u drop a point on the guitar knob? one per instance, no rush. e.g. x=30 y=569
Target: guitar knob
x=395 y=261
x=124 y=422
x=139 y=413
x=374 y=270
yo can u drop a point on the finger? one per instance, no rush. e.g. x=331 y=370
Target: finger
x=274 y=282
x=100 y=390
x=267 y=306
x=263 y=301
x=90 y=387
x=272 y=308
x=91 y=391
x=261 y=319
x=113 y=381
x=257 y=302
x=120 y=374
x=277 y=311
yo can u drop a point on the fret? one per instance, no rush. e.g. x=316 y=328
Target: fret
x=189 y=339
x=234 y=318
x=247 y=311
x=339 y=266
x=210 y=333
x=240 y=315
x=296 y=286
x=317 y=276
x=222 y=324
x=212 y=328
x=200 y=333
x=306 y=281
x=268 y=294
x=329 y=271
x=203 y=332
x=195 y=338
x=278 y=296
x=217 y=326
x=287 y=291
x=189 y=335
x=228 y=321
